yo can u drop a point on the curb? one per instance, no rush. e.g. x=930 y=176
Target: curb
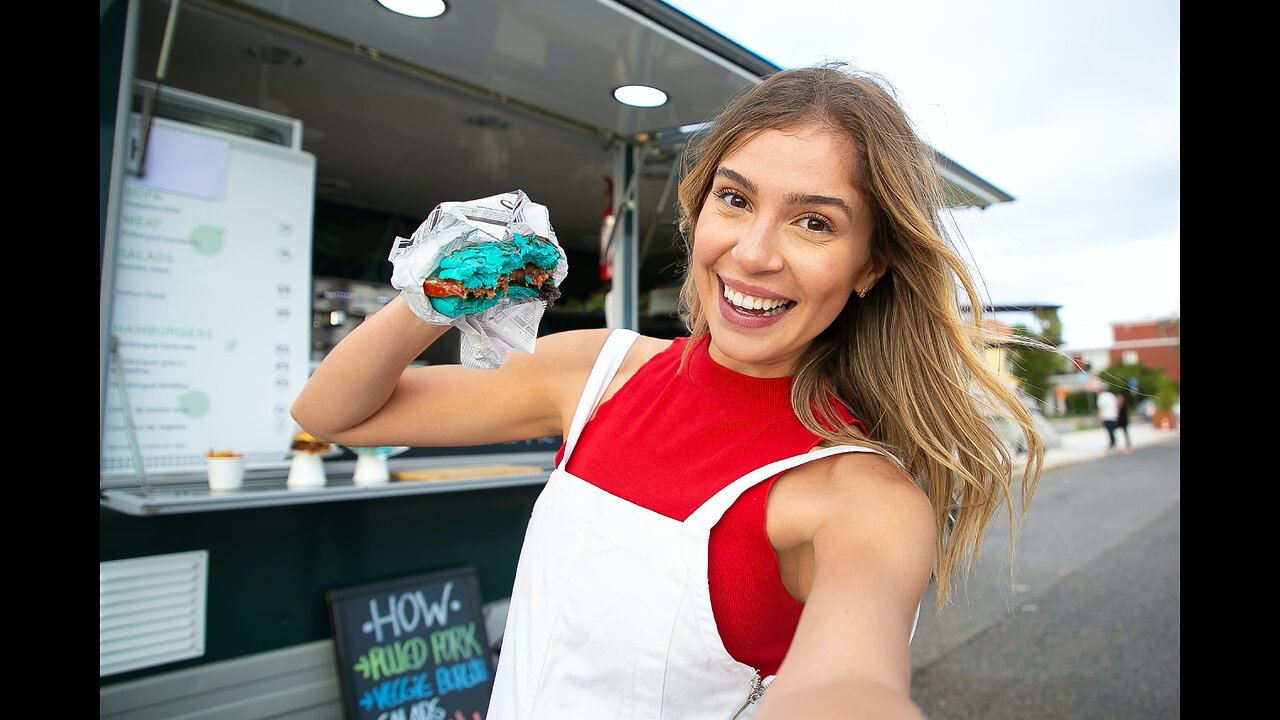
x=1165 y=437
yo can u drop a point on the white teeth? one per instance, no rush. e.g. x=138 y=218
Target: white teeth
x=750 y=302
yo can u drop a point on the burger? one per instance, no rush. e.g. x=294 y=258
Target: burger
x=477 y=277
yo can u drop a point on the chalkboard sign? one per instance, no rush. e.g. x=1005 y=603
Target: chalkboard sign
x=413 y=648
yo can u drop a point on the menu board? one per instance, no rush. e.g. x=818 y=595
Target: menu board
x=211 y=309
x=413 y=648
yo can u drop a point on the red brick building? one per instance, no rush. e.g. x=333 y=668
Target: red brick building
x=1154 y=343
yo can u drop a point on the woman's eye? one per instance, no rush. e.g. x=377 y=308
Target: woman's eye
x=731 y=198
x=815 y=224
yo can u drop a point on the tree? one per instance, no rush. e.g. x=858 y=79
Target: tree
x=1050 y=324
x=1118 y=375
x=1033 y=367
x=1166 y=394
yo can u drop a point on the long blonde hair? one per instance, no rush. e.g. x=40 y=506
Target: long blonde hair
x=906 y=360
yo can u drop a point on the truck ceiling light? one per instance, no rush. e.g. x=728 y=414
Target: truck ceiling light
x=640 y=96
x=415 y=8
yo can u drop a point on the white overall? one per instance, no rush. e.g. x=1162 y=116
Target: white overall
x=610 y=615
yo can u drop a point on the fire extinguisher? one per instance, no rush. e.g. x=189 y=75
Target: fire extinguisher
x=606 y=232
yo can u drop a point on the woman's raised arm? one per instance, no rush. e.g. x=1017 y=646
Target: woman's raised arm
x=364 y=393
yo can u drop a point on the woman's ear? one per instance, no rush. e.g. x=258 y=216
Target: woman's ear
x=870 y=275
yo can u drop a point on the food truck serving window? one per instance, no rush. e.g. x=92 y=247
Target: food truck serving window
x=215 y=322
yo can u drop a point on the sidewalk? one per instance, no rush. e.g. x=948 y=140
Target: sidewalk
x=1091 y=444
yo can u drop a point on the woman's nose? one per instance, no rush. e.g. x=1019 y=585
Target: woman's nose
x=757 y=249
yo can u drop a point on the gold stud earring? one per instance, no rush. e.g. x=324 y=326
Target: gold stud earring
x=863 y=293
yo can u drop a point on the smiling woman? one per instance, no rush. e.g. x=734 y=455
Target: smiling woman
x=756 y=509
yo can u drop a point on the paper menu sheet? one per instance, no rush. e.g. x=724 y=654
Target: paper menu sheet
x=212 y=301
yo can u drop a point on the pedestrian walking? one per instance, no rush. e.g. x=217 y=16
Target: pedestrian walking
x=1109 y=414
x=1124 y=401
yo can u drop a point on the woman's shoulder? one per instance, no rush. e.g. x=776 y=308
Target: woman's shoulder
x=587 y=344
x=573 y=353
x=573 y=342
x=859 y=473
x=859 y=487
x=647 y=347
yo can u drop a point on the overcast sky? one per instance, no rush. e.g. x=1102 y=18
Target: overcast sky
x=1072 y=108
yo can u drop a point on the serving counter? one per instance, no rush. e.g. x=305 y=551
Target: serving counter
x=174 y=494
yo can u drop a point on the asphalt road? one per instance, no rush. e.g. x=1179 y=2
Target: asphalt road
x=1088 y=629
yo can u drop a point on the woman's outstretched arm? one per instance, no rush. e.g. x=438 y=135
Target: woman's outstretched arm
x=867 y=534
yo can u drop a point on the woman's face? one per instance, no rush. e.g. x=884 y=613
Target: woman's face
x=781 y=243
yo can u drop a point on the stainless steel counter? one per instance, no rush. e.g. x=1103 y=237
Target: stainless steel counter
x=168 y=495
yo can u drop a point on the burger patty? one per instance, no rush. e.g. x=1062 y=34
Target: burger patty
x=529 y=276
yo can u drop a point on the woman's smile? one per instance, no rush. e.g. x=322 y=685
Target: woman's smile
x=751 y=307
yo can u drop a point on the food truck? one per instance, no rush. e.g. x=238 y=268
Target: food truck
x=259 y=159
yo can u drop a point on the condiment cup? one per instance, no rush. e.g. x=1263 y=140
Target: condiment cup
x=371 y=469
x=306 y=471
x=226 y=473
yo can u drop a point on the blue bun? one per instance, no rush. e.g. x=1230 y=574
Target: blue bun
x=480 y=266
x=457 y=307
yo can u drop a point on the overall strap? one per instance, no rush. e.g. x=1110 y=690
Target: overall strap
x=713 y=509
x=610 y=359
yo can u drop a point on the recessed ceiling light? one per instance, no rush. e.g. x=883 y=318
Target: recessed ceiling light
x=640 y=96
x=415 y=8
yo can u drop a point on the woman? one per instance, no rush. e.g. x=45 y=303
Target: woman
x=755 y=509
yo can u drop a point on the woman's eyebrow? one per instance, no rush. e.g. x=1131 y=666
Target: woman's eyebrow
x=834 y=202
x=737 y=177
x=792 y=199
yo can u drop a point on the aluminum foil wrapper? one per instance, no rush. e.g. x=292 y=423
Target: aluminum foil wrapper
x=488 y=337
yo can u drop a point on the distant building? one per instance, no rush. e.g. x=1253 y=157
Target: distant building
x=1081 y=375
x=1153 y=343
x=1040 y=319
x=1088 y=360
x=997 y=354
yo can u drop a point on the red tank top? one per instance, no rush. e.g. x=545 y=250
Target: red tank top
x=703 y=428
